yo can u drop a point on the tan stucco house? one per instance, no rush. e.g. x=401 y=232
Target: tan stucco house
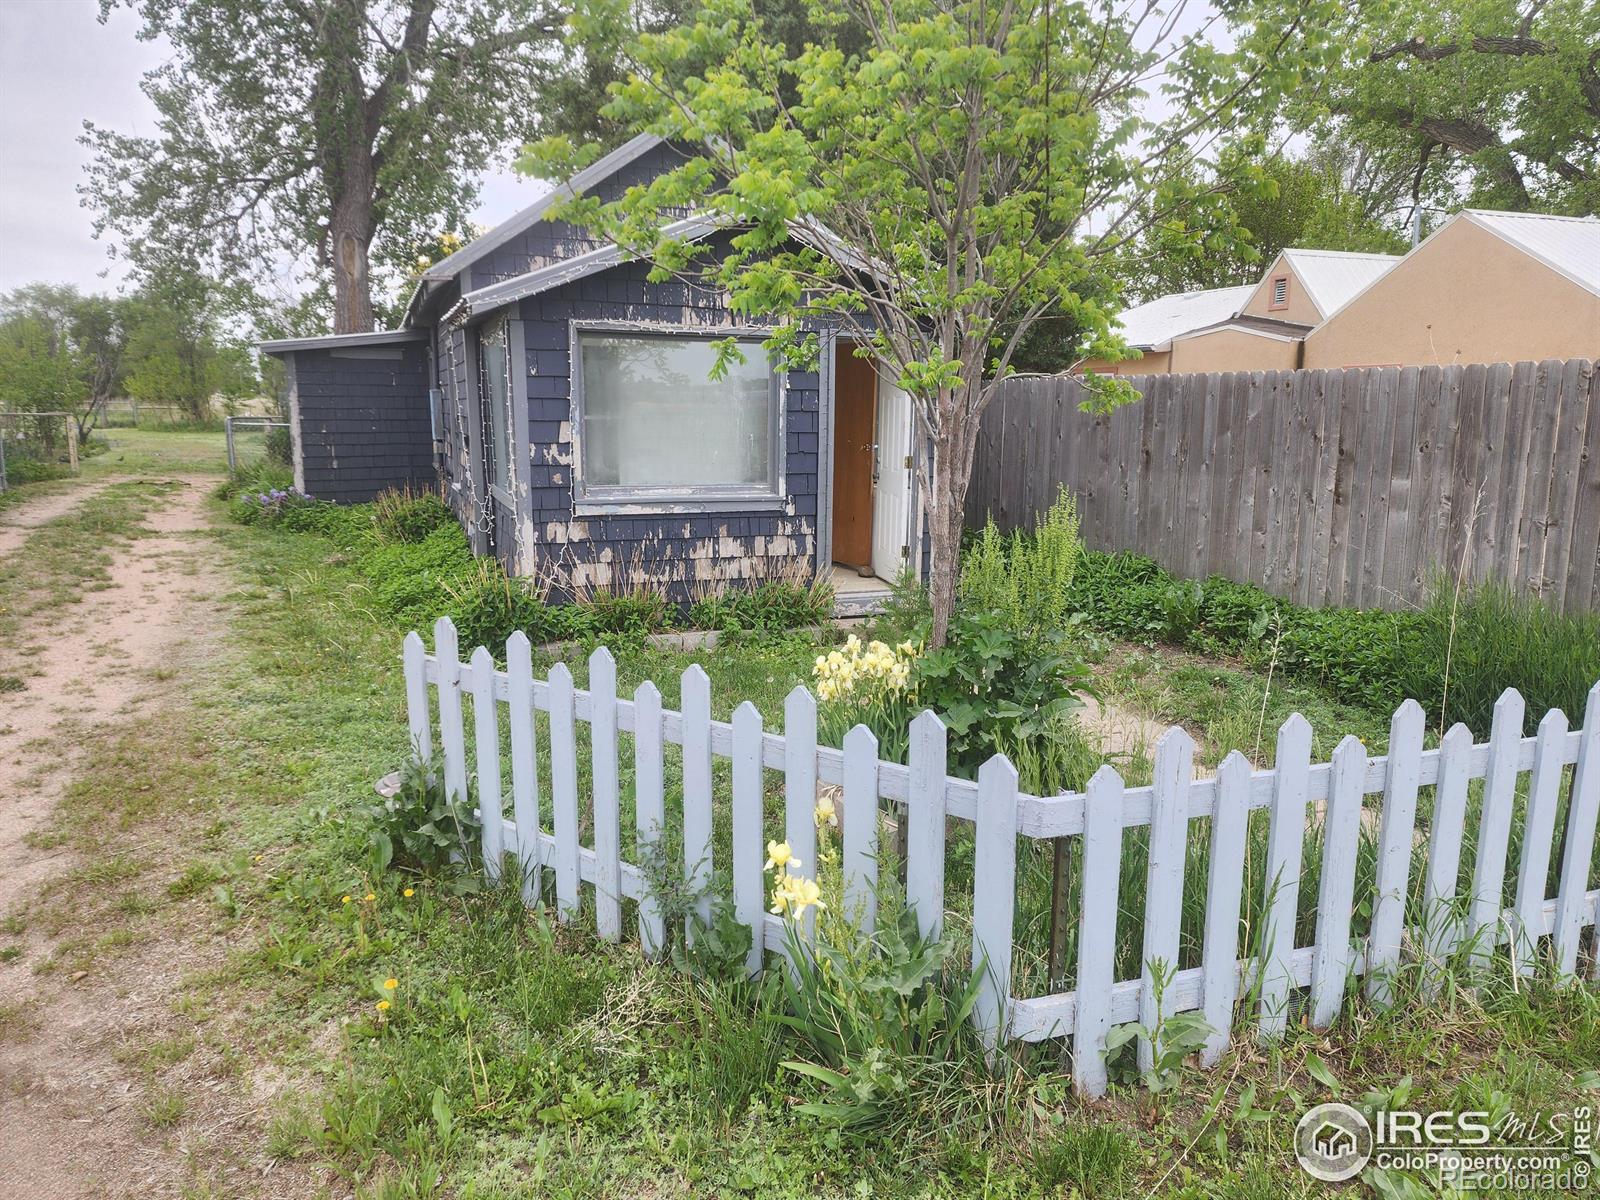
x=1485 y=287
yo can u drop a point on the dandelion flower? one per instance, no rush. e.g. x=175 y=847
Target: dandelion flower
x=408 y=893
x=369 y=897
x=383 y=1006
x=390 y=984
x=344 y=899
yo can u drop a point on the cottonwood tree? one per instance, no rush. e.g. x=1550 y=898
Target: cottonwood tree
x=1490 y=102
x=974 y=167
x=350 y=129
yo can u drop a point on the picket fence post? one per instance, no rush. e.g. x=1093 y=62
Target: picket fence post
x=925 y=824
x=564 y=790
x=1403 y=774
x=1538 y=831
x=800 y=789
x=1285 y=847
x=452 y=737
x=1494 y=827
x=1224 y=892
x=749 y=896
x=697 y=859
x=1097 y=929
x=861 y=829
x=524 y=761
x=1583 y=813
x=994 y=896
x=1341 y=832
x=419 y=721
x=607 y=804
x=1169 y=843
x=649 y=776
x=486 y=730
x=1441 y=926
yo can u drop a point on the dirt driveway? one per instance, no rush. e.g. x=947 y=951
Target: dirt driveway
x=76 y=1115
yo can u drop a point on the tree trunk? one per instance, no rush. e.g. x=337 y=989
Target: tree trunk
x=953 y=447
x=350 y=238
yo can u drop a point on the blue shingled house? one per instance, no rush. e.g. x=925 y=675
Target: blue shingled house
x=563 y=403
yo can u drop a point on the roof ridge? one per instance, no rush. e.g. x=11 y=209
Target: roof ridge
x=1501 y=212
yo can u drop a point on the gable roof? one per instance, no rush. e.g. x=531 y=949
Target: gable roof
x=1332 y=278
x=1569 y=246
x=1151 y=325
x=447 y=267
x=542 y=279
x=1267 y=327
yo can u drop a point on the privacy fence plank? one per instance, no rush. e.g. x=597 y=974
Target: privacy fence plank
x=1395 y=838
x=861 y=829
x=1097 y=929
x=1494 y=825
x=1347 y=486
x=925 y=825
x=1285 y=844
x=650 y=818
x=486 y=729
x=1336 y=896
x=697 y=824
x=607 y=803
x=1583 y=813
x=749 y=896
x=564 y=790
x=1169 y=835
x=994 y=891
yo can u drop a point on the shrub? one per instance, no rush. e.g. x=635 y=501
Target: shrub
x=1026 y=580
x=770 y=607
x=418 y=826
x=403 y=515
x=631 y=615
x=995 y=688
x=1494 y=638
x=275 y=506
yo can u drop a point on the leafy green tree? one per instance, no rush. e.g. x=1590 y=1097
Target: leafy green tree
x=972 y=168
x=352 y=129
x=180 y=351
x=61 y=351
x=1494 y=103
x=1305 y=202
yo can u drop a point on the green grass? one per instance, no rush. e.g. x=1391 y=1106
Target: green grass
x=523 y=1058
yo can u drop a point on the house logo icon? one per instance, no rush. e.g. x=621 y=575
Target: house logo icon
x=1333 y=1142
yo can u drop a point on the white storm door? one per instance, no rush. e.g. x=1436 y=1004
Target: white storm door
x=891 y=496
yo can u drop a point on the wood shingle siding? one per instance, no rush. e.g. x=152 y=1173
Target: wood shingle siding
x=363 y=421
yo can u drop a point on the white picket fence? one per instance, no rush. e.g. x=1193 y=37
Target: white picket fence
x=1299 y=794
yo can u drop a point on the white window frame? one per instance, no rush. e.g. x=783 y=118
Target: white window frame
x=600 y=499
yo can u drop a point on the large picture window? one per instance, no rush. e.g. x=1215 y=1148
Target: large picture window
x=495 y=382
x=656 y=426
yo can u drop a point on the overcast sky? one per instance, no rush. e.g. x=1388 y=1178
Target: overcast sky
x=59 y=67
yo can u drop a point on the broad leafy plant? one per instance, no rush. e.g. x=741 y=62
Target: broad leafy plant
x=419 y=825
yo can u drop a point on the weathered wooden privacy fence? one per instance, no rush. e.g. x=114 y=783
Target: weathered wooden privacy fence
x=1511 y=791
x=1326 y=487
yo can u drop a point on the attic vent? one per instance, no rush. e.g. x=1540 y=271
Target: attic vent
x=1280 y=291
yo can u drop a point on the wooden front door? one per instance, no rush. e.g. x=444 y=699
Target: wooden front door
x=854 y=424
